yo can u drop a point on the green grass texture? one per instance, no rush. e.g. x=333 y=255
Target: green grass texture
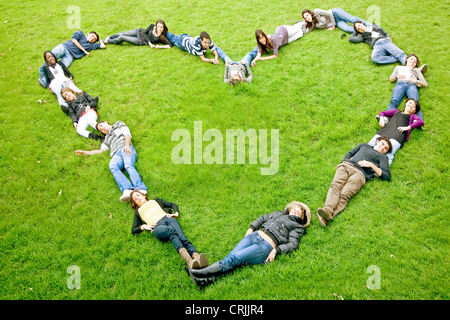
x=322 y=93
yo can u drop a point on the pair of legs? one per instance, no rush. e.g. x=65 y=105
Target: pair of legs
x=341 y=18
x=177 y=40
x=170 y=229
x=56 y=87
x=252 y=249
x=88 y=119
x=395 y=146
x=347 y=181
x=386 y=52
x=248 y=58
x=131 y=36
x=60 y=52
x=401 y=89
x=120 y=161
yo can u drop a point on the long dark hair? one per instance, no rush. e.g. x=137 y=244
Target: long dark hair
x=310 y=25
x=163 y=34
x=45 y=53
x=262 y=47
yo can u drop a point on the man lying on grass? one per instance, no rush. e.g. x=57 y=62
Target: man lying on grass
x=359 y=165
x=123 y=156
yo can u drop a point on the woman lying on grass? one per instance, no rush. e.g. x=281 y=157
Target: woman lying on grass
x=398 y=128
x=282 y=36
x=82 y=109
x=330 y=19
x=409 y=78
x=58 y=76
x=155 y=216
x=269 y=235
x=155 y=33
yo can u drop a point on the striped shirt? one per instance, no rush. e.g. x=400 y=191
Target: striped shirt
x=194 y=46
x=115 y=139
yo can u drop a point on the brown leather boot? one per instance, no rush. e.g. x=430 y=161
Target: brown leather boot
x=191 y=263
x=201 y=258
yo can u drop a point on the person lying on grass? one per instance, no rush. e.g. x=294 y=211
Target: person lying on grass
x=330 y=19
x=154 y=34
x=399 y=127
x=82 y=109
x=272 y=42
x=360 y=164
x=384 y=51
x=409 y=79
x=123 y=156
x=268 y=236
x=58 y=76
x=75 y=48
x=197 y=46
x=160 y=218
x=237 y=71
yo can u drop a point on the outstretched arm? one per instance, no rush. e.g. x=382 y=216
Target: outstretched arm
x=88 y=153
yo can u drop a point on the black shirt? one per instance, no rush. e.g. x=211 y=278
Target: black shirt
x=390 y=130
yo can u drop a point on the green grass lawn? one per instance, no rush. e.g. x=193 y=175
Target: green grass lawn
x=321 y=93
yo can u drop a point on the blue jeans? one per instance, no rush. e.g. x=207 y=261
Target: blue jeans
x=247 y=58
x=253 y=249
x=60 y=52
x=401 y=89
x=121 y=161
x=386 y=52
x=170 y=229
x=131 y=36
x=341 y=18
x=177 y=40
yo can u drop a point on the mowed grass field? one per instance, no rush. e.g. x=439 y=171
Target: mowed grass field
x=59 y=210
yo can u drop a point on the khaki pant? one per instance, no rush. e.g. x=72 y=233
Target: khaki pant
x=347 y=181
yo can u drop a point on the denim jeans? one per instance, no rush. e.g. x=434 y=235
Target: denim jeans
x=247 y=58
x=131 y=36
x=341 y=18
x=395 y=146
x=125 y=161
x=401 y=89
x=386 y=52
x=177 y=40
x=170 y=229
x=60 y=52
x=253 y=249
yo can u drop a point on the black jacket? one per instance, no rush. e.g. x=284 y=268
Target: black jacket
x=286 y=229
x=49 y=75
x=167 y=207
x=77 y=106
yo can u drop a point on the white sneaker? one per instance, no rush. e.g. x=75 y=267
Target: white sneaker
x=143 y=191
x=125 y=196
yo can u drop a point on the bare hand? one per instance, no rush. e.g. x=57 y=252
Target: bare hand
x=249 y=231
x=173 y=215
x=365 y=163
x=271 y=256
x=79 y=152
x=215 y=61
x=331 y=28
x=401 y=129
x=75 y=124
x=127 y=150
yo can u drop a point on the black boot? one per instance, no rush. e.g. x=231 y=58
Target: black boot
x=210 y=271
x=206 y=276
x=95 y=136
